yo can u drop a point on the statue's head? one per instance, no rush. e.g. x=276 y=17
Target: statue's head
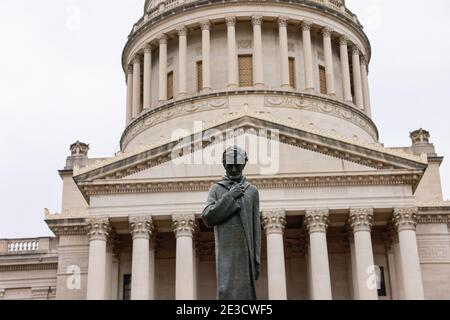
x=234 y=161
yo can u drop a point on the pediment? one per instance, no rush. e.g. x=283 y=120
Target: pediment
x=303 y=152
x=286 y=160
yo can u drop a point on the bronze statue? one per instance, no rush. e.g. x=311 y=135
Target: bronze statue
x=233 y=210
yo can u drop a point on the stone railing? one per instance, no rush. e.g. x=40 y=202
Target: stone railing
x=166 y=5
x=25 y=246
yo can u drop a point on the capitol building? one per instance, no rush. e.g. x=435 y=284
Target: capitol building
x=343 y=217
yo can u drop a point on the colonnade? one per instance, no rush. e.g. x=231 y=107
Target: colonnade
x=316 y=223
x=139 y=92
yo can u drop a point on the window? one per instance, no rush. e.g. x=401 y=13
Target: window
x=170 y=85
x=127 y=287
x=199 y=76
x=381 y=283
x=292 y=78
x=352 y=84
x=245 y=71
x=142 y=86
x=323 y=80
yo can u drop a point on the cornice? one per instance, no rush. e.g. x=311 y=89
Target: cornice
x=103 y=187
x=436 y=207
x=66 y=225
x=144 y=24
x=29 y=267
x=433 y=218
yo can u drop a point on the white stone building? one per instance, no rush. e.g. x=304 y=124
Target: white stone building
x=338 y=206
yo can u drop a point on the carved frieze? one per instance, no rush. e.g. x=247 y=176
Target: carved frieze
x=174 y=112
x=310 y=104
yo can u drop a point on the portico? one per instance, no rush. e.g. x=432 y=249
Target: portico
x=182 y=253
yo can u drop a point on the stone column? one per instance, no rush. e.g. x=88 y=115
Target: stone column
x=354 y=275
x=361 y=223
x=357 y=84
x=163 y=68
x=405 y=220
x=196 y=241
x=129 y=115
x=307 y=51
x=316 y=222
x=152 y=257
x=184 y=228
x=329 y=68
x=308 y=268
x=141 y=231
x=108 y=272
x=206 y=54
x=137 y=98
x=182 y=62
x=398 y=269
x=365 y=86
x=2 y=293
x=147 y=76
x=345 y=69
x=98 y=230
x=115 y=277
x=274 y=224
x=233 y=78
x=258 y=61
x=284 y=52
x=388 y=241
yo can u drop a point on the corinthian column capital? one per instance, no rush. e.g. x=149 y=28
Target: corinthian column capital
x=283 y=21
x=230 y=21
x=141 y=227
x=148 y=48
x=343 y=41
x=355 y=51
x=274 y=221
x=307 y=25
x=98 y=228
x=205 y=24
x=137 y=59
x=130 y=69
x=405 y=218
x=361 y=219
x=182 y=30
x=363 y=60
x=326 y=32
x=316 y=220
x=184 y=225
x=257 y=20
x=163 y=39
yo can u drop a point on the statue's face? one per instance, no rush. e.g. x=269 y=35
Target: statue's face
x=234 y=171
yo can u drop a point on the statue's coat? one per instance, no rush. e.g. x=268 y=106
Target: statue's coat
x=237 y=229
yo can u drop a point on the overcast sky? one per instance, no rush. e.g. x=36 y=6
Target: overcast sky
x=61 y=80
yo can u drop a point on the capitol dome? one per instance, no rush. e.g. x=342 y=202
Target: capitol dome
x=190 y=60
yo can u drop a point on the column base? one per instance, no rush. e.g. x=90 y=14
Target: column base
x=181 y=95
x=206 y=90
x=232 y=87
x=287 y=87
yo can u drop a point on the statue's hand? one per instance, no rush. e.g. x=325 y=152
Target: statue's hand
x=236 y=191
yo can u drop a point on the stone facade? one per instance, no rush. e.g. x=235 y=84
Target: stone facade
x=343 y=217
